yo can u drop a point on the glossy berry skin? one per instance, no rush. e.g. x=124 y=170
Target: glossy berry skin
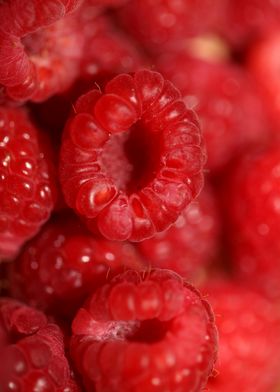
x=64 y=263
x=252 y=194
x=230 y=110
x=165 y=24
x=249 y=340
x=131 y=157
x=40 y=50
x=263 y=63
x=144 y=332
x=191 y=243
x=31 y=351
x=27 y=186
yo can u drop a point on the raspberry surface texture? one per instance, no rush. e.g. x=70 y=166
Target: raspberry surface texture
x=31 y=351
x=248 y=326
x=226 y=99
x=148 y=332
x=132 y=157
x=27 y=187
x=253 y=211
x=65 y=263
x=191 y=243
x=40 y=48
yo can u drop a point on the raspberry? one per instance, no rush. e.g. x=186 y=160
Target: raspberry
x=38 y=57
x=252 y=204
x=156 y=331
x=264 y=63
x=31 y=351
x=164 y=24
x=195 y=233
x=131 y=158
x=64 y=263
x=27 y=186
x=248 y=326
x=226 y=99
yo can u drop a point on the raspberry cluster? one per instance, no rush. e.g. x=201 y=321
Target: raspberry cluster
x=139 y=196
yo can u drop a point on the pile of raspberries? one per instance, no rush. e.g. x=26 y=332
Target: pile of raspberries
x=139 y=196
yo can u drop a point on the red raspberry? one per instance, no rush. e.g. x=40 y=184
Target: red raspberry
x=38 y=57
x=191 y=243
x=164 y=24
x=249 y=339
x=231 y=113
x=252 y=200
x=264 y=63
x=145 y=333
x=27 y=189
x=132 y=158
x=64 y=263
x=31 y=351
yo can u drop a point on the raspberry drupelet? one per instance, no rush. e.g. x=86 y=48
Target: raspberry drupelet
x=40 y=48
x=32 y=353
x=131 y=157
x=189 y=245
x=144 y=332
x=27 y=183
x=59 y=268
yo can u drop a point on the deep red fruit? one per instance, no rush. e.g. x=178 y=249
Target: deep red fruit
x=264 y=64
x=249 y=339
x=132 y=157
x=191 y=243
x=252 y=200
x=226 y=99
x=165 y=24
x=27 y=187
x=64 y=263
x=31 y=351
x=145 y=332
x=40 y=50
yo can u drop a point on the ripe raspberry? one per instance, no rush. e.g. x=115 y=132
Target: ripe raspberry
x=39 y=55
x=132 y=158
x=64 y=263
x=27 y=189
x=144 y=333
x=249 y=339
x=31 y=351
x=252 y=201
x=264 y=63
x=191 y=243
x=164 y=24
x=231 y=112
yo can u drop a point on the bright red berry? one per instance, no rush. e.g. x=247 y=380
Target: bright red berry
x=252 y=201
x=145 y=332
x=27 y=187
x=249 y=339
x=191 y=243
x=40 y=50
x=32 y=353
x=264 y=63
x=226 y=100
x=64 y=263
x=132 y=157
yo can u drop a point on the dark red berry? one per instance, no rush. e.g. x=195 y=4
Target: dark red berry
x=145 y=332
x=27 y=187
x=32 y=353
x=191 y=243
x=249 y=339
x=132 y=157
x=64 y=263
